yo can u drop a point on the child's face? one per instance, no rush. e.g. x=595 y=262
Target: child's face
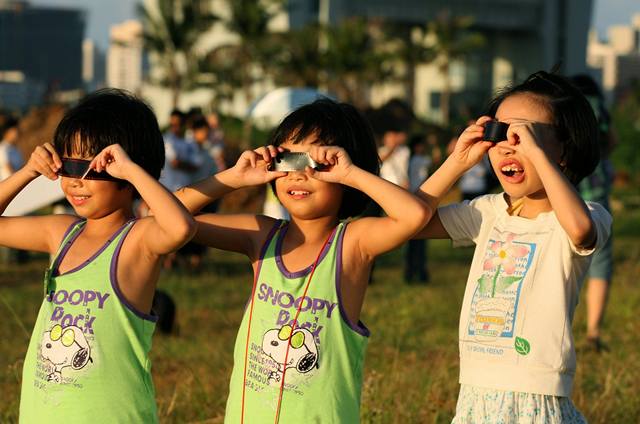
x=94 y=199
x=517 y=174
x=305 y=197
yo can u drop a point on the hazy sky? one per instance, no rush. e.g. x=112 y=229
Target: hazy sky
x=104 y=13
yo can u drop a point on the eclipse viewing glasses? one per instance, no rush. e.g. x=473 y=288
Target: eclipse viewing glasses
x=495 y=131
x=79 y=168
x=293 y=161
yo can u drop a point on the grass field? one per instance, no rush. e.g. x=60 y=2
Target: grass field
x=411 y=368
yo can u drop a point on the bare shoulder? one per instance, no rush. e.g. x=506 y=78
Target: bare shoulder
x=56 y=226
x=355 y=262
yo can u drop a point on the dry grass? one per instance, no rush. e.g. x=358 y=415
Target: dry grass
x=412 y=361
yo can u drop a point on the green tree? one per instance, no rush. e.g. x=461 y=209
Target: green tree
x=171 y=28
x=626 y=122
x=411 y=50
x=451 y=39
x=299 y=61
x=356 y=59
x=244 y=61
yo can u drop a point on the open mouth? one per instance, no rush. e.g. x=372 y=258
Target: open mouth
x=298 y=194
x=511 y=170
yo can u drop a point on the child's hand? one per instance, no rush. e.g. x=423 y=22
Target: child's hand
x=252 y=168
x=44 y=160
x=531 y=138
x=336 y=164
x=469 y=149
x=114 y=160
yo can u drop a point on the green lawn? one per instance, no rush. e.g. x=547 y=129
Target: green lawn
x=412 y=361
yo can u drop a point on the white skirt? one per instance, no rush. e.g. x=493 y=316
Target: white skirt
x=478 y=405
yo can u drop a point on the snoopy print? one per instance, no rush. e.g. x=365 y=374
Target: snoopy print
x=302 y=353
x=63 y=348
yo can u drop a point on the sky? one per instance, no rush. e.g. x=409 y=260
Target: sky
x=102 y=14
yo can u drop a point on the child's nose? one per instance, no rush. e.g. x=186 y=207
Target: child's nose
x=505 y=148
x=297 y=175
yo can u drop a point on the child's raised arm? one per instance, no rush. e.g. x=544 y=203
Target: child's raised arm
x=171 y=225
x=569 y=207
x=468 y=151
x=406 y=214
x=41 y=234
x=237 y=233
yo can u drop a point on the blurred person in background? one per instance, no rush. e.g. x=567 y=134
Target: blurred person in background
x=597 y=188
x=178 y=154
x=10 y=157
x=178 y=165
x=416 y=253
x=394 y=155
x=11 y=160
x=216 y=141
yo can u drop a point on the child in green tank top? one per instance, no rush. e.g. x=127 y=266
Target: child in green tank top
x=300 y=347
x=87 y=360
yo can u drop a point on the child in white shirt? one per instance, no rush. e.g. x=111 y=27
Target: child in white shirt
x=533 y=247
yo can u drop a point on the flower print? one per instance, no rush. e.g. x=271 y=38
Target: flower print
x=506 y=254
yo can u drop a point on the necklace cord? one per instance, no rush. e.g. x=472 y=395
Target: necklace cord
x=293 y=327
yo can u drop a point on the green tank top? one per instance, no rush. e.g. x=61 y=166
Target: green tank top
x=88 y=360
x=324 y=364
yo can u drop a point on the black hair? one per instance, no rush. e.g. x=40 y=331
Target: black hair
x=7 y=125
x=573 y=119
x=415 y=140
x=178 y=112
x=199 y=122
x=111 y=116
x=334 y=124
x=590 y=88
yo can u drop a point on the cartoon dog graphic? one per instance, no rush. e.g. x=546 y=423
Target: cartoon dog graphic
x=65 y=347
x=303 y=352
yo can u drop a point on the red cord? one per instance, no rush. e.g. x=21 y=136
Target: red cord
x=246 y=348
x=295 y=321
x=293 y=327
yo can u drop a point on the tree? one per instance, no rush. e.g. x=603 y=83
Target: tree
x=299 y=62
x=355 y=59
x=171 y=28
x=411 y=50
x=451 y=40
x=245 y=60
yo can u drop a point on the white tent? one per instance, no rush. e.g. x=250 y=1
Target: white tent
x=39 y=193
x=270 y=109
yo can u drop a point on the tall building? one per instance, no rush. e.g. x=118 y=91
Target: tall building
x=522 y=36
x=44 y=43
x=618 y=59
x=124 y=58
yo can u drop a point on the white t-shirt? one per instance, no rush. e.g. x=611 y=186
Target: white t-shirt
x=10 y=160
x=396 y=167
x=522 y=290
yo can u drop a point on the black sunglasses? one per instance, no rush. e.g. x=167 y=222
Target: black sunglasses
x=77 y=168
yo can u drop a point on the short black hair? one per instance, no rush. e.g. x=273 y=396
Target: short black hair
x=111 y=116
x=334 y=124
x=199 y=122
x=573 y=118
x=11 y=122
x=178 y=112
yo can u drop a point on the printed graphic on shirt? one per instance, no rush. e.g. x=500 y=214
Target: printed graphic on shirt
x=301 y=355
x=494 y=306
x=65 y=350
x=266 y=361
